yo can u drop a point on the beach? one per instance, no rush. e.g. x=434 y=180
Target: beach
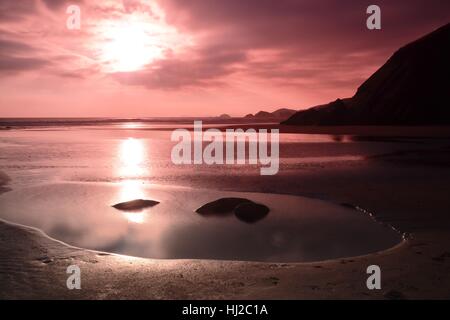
x=225 y=150
x=407 y=189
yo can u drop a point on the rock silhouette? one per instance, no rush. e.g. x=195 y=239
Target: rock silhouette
x=244 y=209
x=251 y=212
x=411 y=88
x=277 y=115
x=221 y=206
x=134 y=205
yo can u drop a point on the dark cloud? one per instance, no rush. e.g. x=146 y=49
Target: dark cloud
x=175 y=73
x=315 y=41
x=17 y=56
x=16 y=10
x=12 y=47
x=135 y=5
x=58 y=4
x=296 y=23
x=296 y=42
x=13 y=10
x=79 y=73
x=13 y=64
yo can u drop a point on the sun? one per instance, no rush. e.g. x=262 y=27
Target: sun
x=129 y=46
x=133 y=41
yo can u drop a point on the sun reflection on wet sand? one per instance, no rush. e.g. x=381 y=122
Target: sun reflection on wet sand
x=131 y=125
x=132 y=155
x=131 y=190
x=135 y=217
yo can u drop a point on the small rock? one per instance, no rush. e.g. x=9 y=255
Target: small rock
x=348 y=205
x=134 y=205
x=101 y=254
x=221 y=206
x=394 y=295
x=45 y=259
x=251 y=212
x=441 y=257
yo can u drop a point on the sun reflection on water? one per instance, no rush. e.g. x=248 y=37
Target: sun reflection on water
x=135 y=217
x=131 y=190
x=132 y=155
x=131 y=125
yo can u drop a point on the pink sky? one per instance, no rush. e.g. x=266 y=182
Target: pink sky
x=195 y=57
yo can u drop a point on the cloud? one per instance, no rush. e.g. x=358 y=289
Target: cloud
x=290 y=42
x=16 y=10
x=33 y=38
x=58 y=4
x=322 y=42
x=11 y=47
x=298 y=48
x=10 y=64
x=12 y=57
x=206 y=69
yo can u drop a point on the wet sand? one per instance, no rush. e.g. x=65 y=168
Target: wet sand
x=405 y=190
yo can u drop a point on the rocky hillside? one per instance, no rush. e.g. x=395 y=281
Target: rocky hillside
x=411 y=88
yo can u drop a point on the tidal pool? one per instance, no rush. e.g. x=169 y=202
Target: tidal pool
x=297 y=229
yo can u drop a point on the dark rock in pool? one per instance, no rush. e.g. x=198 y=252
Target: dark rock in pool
x=134 y=205
x=221 y=206
x=394 y=295
x=251 y=212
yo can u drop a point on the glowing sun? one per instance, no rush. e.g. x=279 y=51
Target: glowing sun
x=130 y=47
x=133 y=41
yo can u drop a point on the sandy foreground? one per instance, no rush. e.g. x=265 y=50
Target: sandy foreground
x=409 y=191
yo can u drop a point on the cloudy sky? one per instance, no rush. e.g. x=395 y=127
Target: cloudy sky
x=135 y=58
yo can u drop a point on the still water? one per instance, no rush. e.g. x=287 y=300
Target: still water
x=65 y=180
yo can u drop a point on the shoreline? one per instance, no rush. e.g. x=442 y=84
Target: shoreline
x=383 y=229
x=419 y=131
x=51 y=256
x=407 y=190
x=115 y=276
x=43 y=234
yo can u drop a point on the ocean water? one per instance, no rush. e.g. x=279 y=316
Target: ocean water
x=66 y=177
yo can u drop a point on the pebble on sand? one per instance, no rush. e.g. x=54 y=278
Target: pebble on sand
x=251 y=212
x=221 y=206
x=134 y=205
x=244 y=209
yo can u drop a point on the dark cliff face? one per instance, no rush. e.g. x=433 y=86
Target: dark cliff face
x=277 y=115
x=411 y=88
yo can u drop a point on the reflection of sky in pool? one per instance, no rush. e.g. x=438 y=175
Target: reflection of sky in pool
x=296 y=229
x=65 y=182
